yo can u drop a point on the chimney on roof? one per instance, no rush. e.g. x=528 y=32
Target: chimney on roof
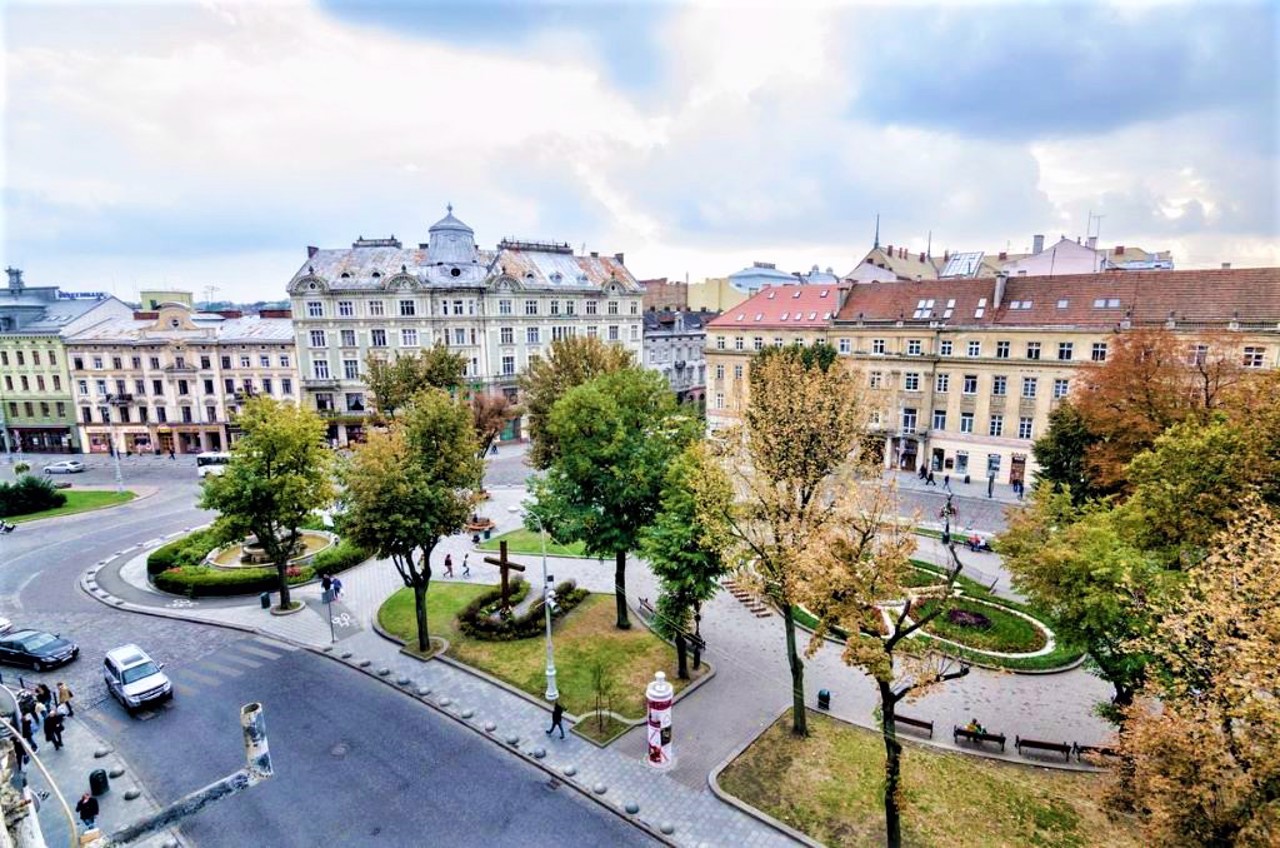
x=1003 y=256
x=312 y=250
x=946 y=256
x=619 y=257
x=1119 y=250
x=889 y=250
x=1037 y=244
x=1226 y=266
x=902 y=253
x=922 y=256
x=275 y=313
x=1002 y=280
x=15 y=278
x=595 y=254
x=1092 y=241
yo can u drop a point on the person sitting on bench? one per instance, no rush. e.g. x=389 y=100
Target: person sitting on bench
x=974 y=727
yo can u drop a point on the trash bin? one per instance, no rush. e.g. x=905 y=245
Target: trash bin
x=487 y=532
x=98 y=783
x=966 y=478
x=824 y=699
x=265 y=600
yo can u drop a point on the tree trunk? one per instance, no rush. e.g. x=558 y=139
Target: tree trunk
x=799 y=718
x=892 y=767
x=620 y=589
x=682 y=657
x=420 y=612
x=282 y=569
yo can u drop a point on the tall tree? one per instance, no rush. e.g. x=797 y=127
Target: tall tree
x=1061 y=451
x=490 y=413
x=393 y=382
x=280 y=472
x=569 y=362
x=410 y=486
x=616 y=435
x=802 y=423
x=1206 y=762
x=1151 y=380
x=851 y=573
x=1098 y=588
x=683 y=545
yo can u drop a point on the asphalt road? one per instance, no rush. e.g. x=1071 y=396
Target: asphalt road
x=356 y=763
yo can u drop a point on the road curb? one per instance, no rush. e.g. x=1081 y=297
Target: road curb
x=141 y=493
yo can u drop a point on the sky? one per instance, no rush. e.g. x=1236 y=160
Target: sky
x=188 y=145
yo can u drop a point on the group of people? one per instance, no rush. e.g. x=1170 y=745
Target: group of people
x=926 y=474
x=328 y=583
x=466 y=566
x=46 y=710
x=977 y=543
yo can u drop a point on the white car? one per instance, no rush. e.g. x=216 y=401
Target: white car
x=134 y=679
x=67 y=466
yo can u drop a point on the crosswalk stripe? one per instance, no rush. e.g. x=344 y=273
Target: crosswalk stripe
x=184 y=691
x=107 y=716
x=259 y=652
x=221 y=669
x=199 y=678
x=236 y=658
x=275 y=644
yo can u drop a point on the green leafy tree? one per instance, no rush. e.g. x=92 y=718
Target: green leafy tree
x=393 y=382
x=1097 y=587
x=616 y=435
x=569 y=362
x=683 y=545
x=802 y=424
x=280 y=473
x=410 y=486
x=1061 y=452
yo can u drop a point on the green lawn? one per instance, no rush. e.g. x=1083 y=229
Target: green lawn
x=584 y=635
x=1004 y=631
x=524 y=541
x=79 y=500
x=830 y=784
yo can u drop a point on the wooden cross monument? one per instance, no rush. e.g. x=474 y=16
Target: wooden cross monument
x=505 y=566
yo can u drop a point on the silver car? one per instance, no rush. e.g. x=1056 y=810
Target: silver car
x=67 y=466
x=134 y=679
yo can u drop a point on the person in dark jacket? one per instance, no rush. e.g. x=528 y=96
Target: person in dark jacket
x=29 y=730
x=53 y=729
x=87 y=810
x=557 y=718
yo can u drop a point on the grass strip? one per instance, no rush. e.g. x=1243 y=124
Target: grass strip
x=524 y=541
x=79 y=500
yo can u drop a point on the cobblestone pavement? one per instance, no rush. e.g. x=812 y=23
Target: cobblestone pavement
x=750 y=688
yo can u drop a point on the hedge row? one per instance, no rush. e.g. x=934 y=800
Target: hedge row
x=186 y=575
x=475 y=619
x=30 y=494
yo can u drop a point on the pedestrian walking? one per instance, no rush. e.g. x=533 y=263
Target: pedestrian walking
x=64 y=698
x=19 y=755
x=924 y=472
x=337 y=588
x=946 y=482
x=87 y=810
x=448 y=565
x=171 y=456
x=466 y=566
x=326 y=582
x=557 y=718
x=29 y=731
x=929 y=481
x=44 y=695
x=41 y=714
x=53 y=730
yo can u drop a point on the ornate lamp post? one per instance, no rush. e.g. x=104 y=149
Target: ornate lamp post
x=548 y=600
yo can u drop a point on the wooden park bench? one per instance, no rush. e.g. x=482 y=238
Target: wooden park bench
x=974 y=736
x=1100 y=750
x=915 y=722
x=1058 y=747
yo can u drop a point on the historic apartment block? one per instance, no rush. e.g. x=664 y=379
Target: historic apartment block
x=499 y=308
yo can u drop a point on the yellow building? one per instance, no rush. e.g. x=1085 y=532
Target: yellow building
x=714 y=294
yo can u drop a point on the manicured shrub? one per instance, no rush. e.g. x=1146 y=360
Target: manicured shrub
x=475 y=619
x=339 y=557
x=188 y=551
x=202 y=581
x=29 y=494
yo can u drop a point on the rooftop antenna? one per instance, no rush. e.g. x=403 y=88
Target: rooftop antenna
x=208 y=294
x=877 y=244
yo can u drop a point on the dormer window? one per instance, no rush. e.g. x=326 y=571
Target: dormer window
x=824 y=293
x=770 y=295
x=557 y=277
x=742 y=316
x=759 y=316
x=813 y=316
x=795 y=293
x=346 y=275
x=784 y=316
x=377 y=275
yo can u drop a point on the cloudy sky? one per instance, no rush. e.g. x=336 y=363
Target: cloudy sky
x=196 y=144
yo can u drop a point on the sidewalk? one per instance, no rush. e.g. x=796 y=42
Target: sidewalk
x=909 y=481
x=750 y=688
x=70 y=768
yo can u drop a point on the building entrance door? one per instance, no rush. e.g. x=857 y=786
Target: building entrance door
x=1018 y=468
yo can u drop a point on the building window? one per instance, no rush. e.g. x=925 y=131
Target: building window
x=966 y=422
x=975 y=348
x=719 y=400
x=531 y=335
x=226 y=362
x=635 y=308
x=555 y=307
x=377 y=309
x=845 y=346
x=26 y=384
x=914 y=347
x=57 y=383
x=507 y=335
x=115 y=362
x=939 y=419
x=737 y=372
x=777 y=341
x=592 y=307
x=875 y=379
x=942 y=383
x=908 y=421
x=508 y=366
x=460 y=336
x=911 y=381
x=348 y=338
x=719 y=372
x=204 y=363
x=1254 y=356
x=408 y=308
x=318 y=339
x=284 y=360
x=211 y=414
x=320 y=368
x=62 y=409
x=996 y=426
x=1029 y=387
x=571 y=307
x=504 y=306
x=757 y=343
x=266 y=386
x=378 y=338
x=157 y=388
x=245 y=360
x=162 y=414
x=229 y=385
x=408 y=337
x=351 y=369
x=999 y=385
x=944 y=347
x=29 y=408
x=346 y=309
x=738 y=343
x=315 y=309
x=1065 y=350
x=970 y=384
x=1033 y=350
x=531 y=307
x=286 y=386
x=1024 y=428
x=1099 y=353
x=97 y=362
x=324 y=402
x=877 y=346
x=355 y=402
x=613 y=307
x=1002 y=350
x=208 y=387
x=719 y=342
x=77 y=363
x=1197 y=354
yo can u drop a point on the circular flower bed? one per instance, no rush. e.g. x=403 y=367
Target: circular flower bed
x=1003 y=631
x=968 y=618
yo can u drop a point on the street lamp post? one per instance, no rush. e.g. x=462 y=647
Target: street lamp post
x=552 y=693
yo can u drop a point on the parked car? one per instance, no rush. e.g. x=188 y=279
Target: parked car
x=134 y=679
x=36 y=649
x=67 y=466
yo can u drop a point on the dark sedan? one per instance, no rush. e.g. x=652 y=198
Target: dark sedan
x=36 y=649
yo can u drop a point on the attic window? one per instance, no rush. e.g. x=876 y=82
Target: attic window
x=742 y=316
x=813 y=316
x=759 y=316
x=826 y=316
x=1015 y=304
x=557 y=277
x=346 y=275
x=981 y=308
x=528 y=275
x=784 y=315
x=824 y=293
x=770 y=295
x=455 y=272
x=924 y=308
x=1062 y=304
x=795 y=293
x=1107 y=303
x=951 y=305
x=377 y=275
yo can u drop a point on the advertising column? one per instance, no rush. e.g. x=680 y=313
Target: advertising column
x=659 y=696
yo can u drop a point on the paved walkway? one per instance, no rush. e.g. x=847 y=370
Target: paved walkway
x=749 y=690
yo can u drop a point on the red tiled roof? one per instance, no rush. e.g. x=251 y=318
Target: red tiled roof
x=799 y=307
x=1251 y=295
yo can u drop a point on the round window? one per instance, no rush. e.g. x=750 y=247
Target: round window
x=456 y=272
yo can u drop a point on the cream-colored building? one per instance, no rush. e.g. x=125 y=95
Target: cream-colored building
x=173 y=379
